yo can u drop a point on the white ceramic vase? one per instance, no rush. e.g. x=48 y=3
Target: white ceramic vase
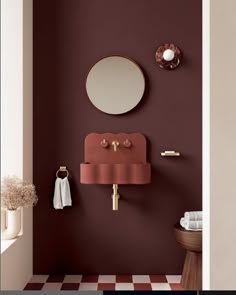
x=10 y=224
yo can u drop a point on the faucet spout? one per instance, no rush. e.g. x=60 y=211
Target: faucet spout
x=115 y=144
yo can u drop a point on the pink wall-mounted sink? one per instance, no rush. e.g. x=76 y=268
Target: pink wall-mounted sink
x=115 y=159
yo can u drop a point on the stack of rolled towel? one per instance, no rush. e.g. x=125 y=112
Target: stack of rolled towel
x=192 y=220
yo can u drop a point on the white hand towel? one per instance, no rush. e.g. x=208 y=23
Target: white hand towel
x=57 y=202
x=193 y=215
x=65 y=192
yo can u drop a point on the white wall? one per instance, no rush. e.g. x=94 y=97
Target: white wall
x=206 y=145
x=11 y=87
x=16 y=128
x=222 y=145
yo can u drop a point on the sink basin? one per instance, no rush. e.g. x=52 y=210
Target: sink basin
x=115 y=159
x=119 y=173
x=124 y=165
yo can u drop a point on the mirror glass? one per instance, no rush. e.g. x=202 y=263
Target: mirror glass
x=115 y=85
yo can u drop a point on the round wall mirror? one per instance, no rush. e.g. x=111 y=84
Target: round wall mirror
x=115 y=85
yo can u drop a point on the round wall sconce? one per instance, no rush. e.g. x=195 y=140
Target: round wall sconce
x=168 y=56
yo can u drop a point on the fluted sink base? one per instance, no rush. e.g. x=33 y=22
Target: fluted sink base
x=131 y=173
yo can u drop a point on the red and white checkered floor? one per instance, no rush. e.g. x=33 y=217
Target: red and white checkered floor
x=104 y=282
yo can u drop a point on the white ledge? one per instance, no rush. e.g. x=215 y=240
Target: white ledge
x=5 y=244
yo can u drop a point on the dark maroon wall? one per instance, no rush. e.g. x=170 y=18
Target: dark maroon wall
x=69 y=37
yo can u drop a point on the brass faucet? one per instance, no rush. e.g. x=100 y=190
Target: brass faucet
x=115 y=197
x=115 y=144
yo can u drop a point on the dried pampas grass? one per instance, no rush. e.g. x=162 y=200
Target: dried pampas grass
x=17 y=193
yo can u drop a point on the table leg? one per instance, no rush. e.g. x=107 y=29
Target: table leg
x=192 y=272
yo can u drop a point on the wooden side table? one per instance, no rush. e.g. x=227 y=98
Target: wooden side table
x=191 y=241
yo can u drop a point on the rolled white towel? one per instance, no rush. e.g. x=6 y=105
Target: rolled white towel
x=195 y=225
x=183 y=222
x=193 y=215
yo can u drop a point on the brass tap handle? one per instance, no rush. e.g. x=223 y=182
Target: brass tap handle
x=127 y=143
x=104 y=143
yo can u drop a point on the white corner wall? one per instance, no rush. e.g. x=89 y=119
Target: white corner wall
x=11 y=87
x=16 y=128
x=222 y=145
x=206 y=143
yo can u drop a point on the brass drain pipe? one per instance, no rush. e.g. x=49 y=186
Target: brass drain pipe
x=115 y=197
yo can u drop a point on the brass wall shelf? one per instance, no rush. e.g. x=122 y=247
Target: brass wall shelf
x=170 y=154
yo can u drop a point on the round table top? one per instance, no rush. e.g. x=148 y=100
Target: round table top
x=190 y=240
